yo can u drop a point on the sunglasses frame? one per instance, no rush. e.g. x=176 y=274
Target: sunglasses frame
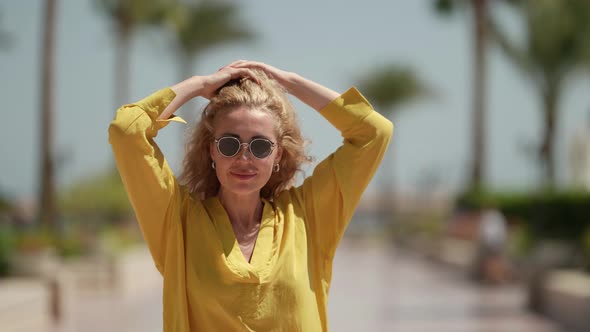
x=248 y=144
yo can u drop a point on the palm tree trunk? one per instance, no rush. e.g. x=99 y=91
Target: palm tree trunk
x=547 y=152
x=47 y=209
x=389 y=186
x=122 y=64
x=478 y=162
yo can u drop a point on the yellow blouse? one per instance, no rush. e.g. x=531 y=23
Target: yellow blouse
x=208 y=284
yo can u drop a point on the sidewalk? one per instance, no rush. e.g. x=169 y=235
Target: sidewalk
x=107 y=311
x=373 y=289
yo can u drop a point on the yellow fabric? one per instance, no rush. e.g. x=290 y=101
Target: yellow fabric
x=208 y=284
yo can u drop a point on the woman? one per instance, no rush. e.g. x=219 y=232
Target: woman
x=239 y=248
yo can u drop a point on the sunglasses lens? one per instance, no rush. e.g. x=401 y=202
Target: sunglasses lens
x=260 y=148
x=228 y=146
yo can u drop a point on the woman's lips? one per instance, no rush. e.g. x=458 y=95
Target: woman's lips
x=243 y=176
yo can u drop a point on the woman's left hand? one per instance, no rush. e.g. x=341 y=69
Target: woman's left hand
x=309 y=92
x=284 y=78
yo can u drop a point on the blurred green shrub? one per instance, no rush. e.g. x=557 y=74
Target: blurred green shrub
x=586 y=245
x=75 y=240
x=98 y=197
x=547 y=215
x=540 y=216
x=520 y=241
x=13 y=241
x=425 y=223
x=31 y=240
x=98 y=214
x=118 y=238
x=5 y=205
x=7 y=247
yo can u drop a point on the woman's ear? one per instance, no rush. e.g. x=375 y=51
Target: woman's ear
x=279 y=155
x=212 y=150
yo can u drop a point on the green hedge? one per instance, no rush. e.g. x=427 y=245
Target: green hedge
x=547 y=215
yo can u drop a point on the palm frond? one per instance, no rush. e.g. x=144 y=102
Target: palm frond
x=389 y=86
x=204 y=25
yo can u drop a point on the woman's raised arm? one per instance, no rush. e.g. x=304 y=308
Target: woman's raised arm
x=331 y=194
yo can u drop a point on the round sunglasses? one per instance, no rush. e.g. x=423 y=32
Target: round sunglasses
x=230 y=146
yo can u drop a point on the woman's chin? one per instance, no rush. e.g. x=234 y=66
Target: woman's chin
x=243 y=189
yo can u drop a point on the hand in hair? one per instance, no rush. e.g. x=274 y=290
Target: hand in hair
x=213 y=82
x=284 y=78
x=313 y=94
x=203 y=86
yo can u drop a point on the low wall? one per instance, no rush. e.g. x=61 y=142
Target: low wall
x=566 y=299
x=25 y=305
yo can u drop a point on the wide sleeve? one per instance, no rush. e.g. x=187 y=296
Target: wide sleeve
x=150 y=184
x=331 y=194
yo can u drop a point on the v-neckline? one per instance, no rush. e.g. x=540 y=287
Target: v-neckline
x=231 y=248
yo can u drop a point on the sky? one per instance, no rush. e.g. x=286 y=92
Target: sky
x=326 y=41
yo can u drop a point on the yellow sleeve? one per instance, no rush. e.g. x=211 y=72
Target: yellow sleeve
x=331 y=194
x=150 y=184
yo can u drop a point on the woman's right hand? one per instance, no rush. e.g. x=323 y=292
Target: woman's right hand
x=211 y=83
x=203 y=86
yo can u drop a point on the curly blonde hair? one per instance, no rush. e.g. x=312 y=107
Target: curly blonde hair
x=266 y=95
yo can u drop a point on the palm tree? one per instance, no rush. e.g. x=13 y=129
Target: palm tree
x=479 y=9
x=127 y=16
x=556 y=46
x=47 y=206
x=388 y=87
x=200 y=26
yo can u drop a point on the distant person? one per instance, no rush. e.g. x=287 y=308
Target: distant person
x=239 y=247
x=493 y=234
x=579 y=156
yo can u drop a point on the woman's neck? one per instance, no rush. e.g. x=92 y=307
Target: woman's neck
x=244 y=211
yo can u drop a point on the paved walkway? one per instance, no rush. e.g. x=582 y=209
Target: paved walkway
x=373 y=289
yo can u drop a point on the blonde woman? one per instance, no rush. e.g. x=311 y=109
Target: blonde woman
x=240 y=248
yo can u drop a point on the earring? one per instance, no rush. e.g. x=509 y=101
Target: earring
x=213 y=164
x=276 y=168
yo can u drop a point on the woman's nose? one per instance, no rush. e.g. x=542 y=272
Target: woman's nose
x=244 y=152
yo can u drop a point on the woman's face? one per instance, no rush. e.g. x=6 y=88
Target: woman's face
x=243 y=173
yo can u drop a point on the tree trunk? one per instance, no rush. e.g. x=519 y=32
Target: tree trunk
x=47 y=209
x=478 y=154
x=122 y=69
x=546 y=151
x=388 y=188
x=387 y=184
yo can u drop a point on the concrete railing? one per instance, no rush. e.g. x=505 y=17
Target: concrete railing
x=566 y=299
x=34 y=302
x=25 y=305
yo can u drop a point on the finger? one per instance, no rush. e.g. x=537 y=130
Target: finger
x=236 y=73
x=237 y=63
x=249 y=73
x=232 y=64
x=249 y=64
x=268 y=70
